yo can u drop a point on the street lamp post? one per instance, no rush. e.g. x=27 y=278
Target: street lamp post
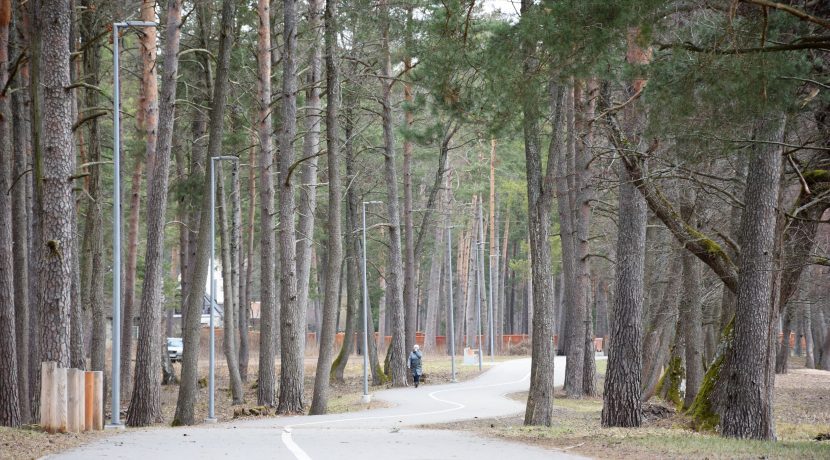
x=115 y=421
x=452 y=307
x=211 y=371
x=492 y=309
x=366 y=397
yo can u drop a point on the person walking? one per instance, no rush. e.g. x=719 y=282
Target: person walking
x=414 y=364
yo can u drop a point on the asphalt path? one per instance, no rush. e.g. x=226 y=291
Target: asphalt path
x=380 y=433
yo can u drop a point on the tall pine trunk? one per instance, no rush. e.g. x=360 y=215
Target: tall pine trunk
x=319 y=404
x=9 y=402
x=307 y=206
x=292 y=314
x=621 y=400
x=353 y=291
x=748 y=373
x=53 y=167
x=266 y=388
x=396 y=356
x=185 y=413
x=230 y=300
x=20 y=226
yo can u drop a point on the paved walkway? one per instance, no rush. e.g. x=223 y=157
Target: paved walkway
x=381 y=433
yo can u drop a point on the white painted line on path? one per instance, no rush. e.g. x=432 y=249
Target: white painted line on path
x=300 y=454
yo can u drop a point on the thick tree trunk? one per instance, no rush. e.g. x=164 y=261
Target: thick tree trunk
x=319 y=404
x=574 y=315
x=396 y=356
x=292 y=314
x=584 y=108
x=145 y=404
x=31 y=21
x=540 y=193
x=185 y=404
x=621 y=400
x=748 y=377
x=266 y=389
x=9 y=397
x=53 y=169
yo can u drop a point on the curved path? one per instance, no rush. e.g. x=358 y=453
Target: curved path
x=383 y=433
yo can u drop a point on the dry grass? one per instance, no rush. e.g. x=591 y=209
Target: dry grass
x=802 y=411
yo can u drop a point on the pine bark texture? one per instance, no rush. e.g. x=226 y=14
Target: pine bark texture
x=145 y=404
x=352 y=250
x=621 y=400
x=266 y=389
x=331 y=301
x=9 y=402
x=397 y=350
x=185 y=414
x=691 y=315
x=307 y=205
x=540 y=193
x=292 y=315
x=21 y=228
x=748 y=412
x=53 y=168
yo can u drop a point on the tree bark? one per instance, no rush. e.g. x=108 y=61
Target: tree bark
x=230 y=299
x=266 y=389
x=621 y=400
x=353 y=291
x=20 y=225
x=128 y=319
x=247 y=284
x=748 y=411
x=434 y=290
x=319 y=404
x=540 y=193
x=145 y=404
x=307 y=206
x=660 y=330
x=691 y=314
x=397 y=351
x=292 y=314
x=53 y=167
x=185 y=403
x=9 y=397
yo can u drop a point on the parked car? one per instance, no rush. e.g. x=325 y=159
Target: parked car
x=175 y=348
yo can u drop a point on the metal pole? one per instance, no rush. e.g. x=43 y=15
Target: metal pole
x=115 y=420
x=452 y=307
x=492 y=310
x=211 y=418
x=366 y=398
x=478 y=300
x=116 y=237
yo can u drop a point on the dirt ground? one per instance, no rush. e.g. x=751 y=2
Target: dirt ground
x=802 y=413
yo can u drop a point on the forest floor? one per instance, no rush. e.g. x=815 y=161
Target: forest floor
x=802 y=414
x=30 y=442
